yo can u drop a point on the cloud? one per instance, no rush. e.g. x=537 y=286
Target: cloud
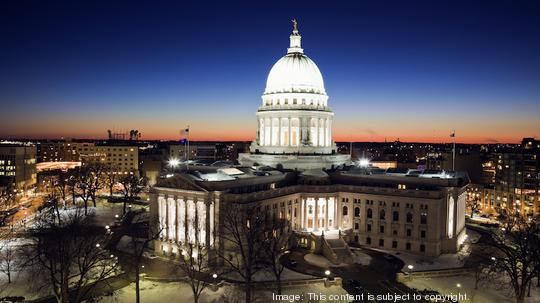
x=491 y=140
x=371 y=132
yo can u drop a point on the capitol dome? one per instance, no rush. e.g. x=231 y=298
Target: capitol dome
x=295 y=72
x=294 y=121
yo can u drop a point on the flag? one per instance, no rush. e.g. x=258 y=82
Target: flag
x=452 y=135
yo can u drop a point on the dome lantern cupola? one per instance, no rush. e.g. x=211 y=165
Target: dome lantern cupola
x=295 y=45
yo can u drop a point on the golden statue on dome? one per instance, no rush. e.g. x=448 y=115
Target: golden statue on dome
x=295 y=25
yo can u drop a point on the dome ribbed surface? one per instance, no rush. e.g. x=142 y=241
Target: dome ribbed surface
x=295 y=72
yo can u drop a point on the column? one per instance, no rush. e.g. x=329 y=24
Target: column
x=176 y=221
x=271 y=131
x=290 y=134
x=304 y=224
x=316 y=225
x=335 y=219
x=201 y=221
x=339 y=212
x=181 y=205
x=161 y=216
x=166 y=218
x=326 y=214
x=280 y=135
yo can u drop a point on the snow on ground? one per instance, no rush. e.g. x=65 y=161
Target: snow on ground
x=20 y=286
x=484 y=294
x=360 y=257
x=159 y=292
x=444 y=261
x=317 y=260
x=322 y=262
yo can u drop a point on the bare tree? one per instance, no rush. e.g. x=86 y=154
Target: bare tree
x=194 y=262
x=513 y=251
x=242 y=233
x=111 y=178
x=7 y=254
x=138 y=246
x=8 y=195
x=90 y=180
x=473 y=203
x=61 y=185
x=275 y=243
x=70 y=255
x=132 y=186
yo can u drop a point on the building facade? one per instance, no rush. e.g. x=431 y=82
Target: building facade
x=18 y=164
x=124 y=159
x=517 y=180
x=423 y=214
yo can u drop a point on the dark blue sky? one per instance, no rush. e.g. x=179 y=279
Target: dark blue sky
x=408 y=69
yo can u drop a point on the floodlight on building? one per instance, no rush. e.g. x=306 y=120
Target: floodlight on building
x=327 y=272
x=363 y=162
x=173 y=162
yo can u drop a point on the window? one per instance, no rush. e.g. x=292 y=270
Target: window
x=381 y=229
x=423 y=218
x=368 y=240
x=408 y=232
x=382 y=215
x=381 y=242
x=369 y=227
x=369 y=213
x=345 y=211
x=357 y=211
x=395 y=232
x=394 y=244
x=356 y=226
x=395 y=216
x=408 y=246
x=422 y=234
x=422 y=248
x=409 y=217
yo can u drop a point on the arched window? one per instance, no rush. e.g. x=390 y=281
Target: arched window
x=369 y=213
x=357 y=211
x=409 y=217
x=345 y=210
x=395 y=216
x=382 y=215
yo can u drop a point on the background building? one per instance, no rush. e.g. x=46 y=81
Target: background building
x=18 y=164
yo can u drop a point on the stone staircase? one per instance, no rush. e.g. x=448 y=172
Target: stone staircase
x=341 y=251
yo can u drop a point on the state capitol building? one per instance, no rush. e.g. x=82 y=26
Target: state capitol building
x=293 y=171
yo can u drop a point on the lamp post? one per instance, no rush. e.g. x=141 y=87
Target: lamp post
x=410 y=267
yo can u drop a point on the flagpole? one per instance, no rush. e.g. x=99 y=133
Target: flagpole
x=454 y=151
x=187 y=162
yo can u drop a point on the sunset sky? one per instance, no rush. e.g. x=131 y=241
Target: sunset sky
x=413 y=70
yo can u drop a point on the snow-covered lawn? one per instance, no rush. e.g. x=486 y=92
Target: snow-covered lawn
x=444 y=261
x=322 y=262
x=484 y=294
x=159 y=292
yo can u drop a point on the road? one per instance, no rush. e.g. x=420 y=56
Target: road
x=377 y=278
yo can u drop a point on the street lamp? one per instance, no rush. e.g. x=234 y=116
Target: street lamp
x=458 y=285
x=214 y=276
x=173 y=162
x=327 y=272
